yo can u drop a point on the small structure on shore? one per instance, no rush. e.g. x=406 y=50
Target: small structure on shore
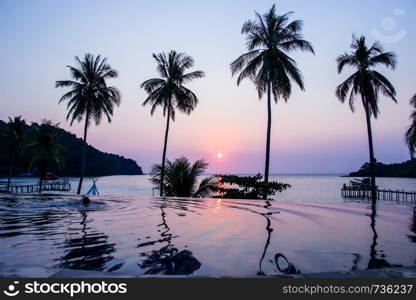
x=93 y=190
x=55 y=185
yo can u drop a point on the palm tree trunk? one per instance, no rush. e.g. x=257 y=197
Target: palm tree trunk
x=269 y=128
x=162 y=173
x=84 y=154
x=43 y=169
x=9 y=178
x=371 y=150
x=40 y=184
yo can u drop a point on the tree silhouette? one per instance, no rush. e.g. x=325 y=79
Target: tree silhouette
x=367 y=82
x=90 y=98
x=170 y=93
x=270 y=37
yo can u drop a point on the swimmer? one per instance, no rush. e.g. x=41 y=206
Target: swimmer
x=85 y=200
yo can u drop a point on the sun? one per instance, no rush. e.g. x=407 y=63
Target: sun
x=219 y=155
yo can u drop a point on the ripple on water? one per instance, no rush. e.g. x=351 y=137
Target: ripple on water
x=144 y=235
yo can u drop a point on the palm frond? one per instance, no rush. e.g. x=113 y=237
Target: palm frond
x=410 y=137
x=345 y=59
x=207 y=188
x=192 y=75
x=383 y=85
x=181 y=178
x=366 y=81
x=413 y=101
x=251 y=69
x=388 y=59
x=296 y=44
x=237 y=65
x=344 y=88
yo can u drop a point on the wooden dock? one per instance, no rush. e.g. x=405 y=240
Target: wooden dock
x=386 y=195
x=59 y=186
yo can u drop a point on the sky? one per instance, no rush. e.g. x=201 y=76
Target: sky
x=311 y=133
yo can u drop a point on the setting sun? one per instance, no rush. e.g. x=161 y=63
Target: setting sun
x=219 y=155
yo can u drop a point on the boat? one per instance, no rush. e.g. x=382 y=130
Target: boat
x=360 y=183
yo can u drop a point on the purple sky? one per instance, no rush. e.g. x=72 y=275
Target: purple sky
x=312 y=133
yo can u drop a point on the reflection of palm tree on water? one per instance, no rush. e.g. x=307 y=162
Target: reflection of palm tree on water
x=374 y=262
x=169 y=260
x=89 y=252
x=290 y=269
x=269 y=231
x=412 y=225
x=157 y=260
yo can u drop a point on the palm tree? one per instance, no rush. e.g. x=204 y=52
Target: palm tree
x=90 y=97
x=270 y=37
x=13 y=137
x=410 y=135
x=170 y=93
x=367 y=82
x=181 y=179
x=45 y=150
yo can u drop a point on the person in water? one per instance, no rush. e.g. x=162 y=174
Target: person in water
x=85 y=200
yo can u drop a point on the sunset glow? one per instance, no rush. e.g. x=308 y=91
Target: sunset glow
x=311 y=133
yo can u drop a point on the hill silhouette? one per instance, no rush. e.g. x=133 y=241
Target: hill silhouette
x=98 y=163
x=405 y=169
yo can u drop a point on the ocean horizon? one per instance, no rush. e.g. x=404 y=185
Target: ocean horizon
x=304 y=187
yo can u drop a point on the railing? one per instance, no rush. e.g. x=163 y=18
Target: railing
x=61 y=186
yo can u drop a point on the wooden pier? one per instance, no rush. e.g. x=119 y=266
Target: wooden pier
x=59 y=186
x=386 y=195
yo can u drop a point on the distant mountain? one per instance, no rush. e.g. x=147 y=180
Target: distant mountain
x=405 y=170
x=98 y=163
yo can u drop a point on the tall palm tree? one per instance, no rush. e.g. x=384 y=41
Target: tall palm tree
x=367 y=82
x=181 y=179
x=13 y=137
x=170 y=93
x=90 y=97
x=45 y=150
x=270 y=37
x=410 y=135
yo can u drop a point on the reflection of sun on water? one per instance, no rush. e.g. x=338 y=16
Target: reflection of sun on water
x=217 y=205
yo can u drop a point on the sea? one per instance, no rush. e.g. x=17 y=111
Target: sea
x=310 y=228
x=304 y=187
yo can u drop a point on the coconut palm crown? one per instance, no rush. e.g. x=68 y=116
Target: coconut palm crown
x=366 y=81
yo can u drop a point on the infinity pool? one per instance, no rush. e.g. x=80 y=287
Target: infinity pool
x=209 y=237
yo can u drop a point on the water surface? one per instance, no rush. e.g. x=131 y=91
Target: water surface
x=305 y=188
x=143 y=235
